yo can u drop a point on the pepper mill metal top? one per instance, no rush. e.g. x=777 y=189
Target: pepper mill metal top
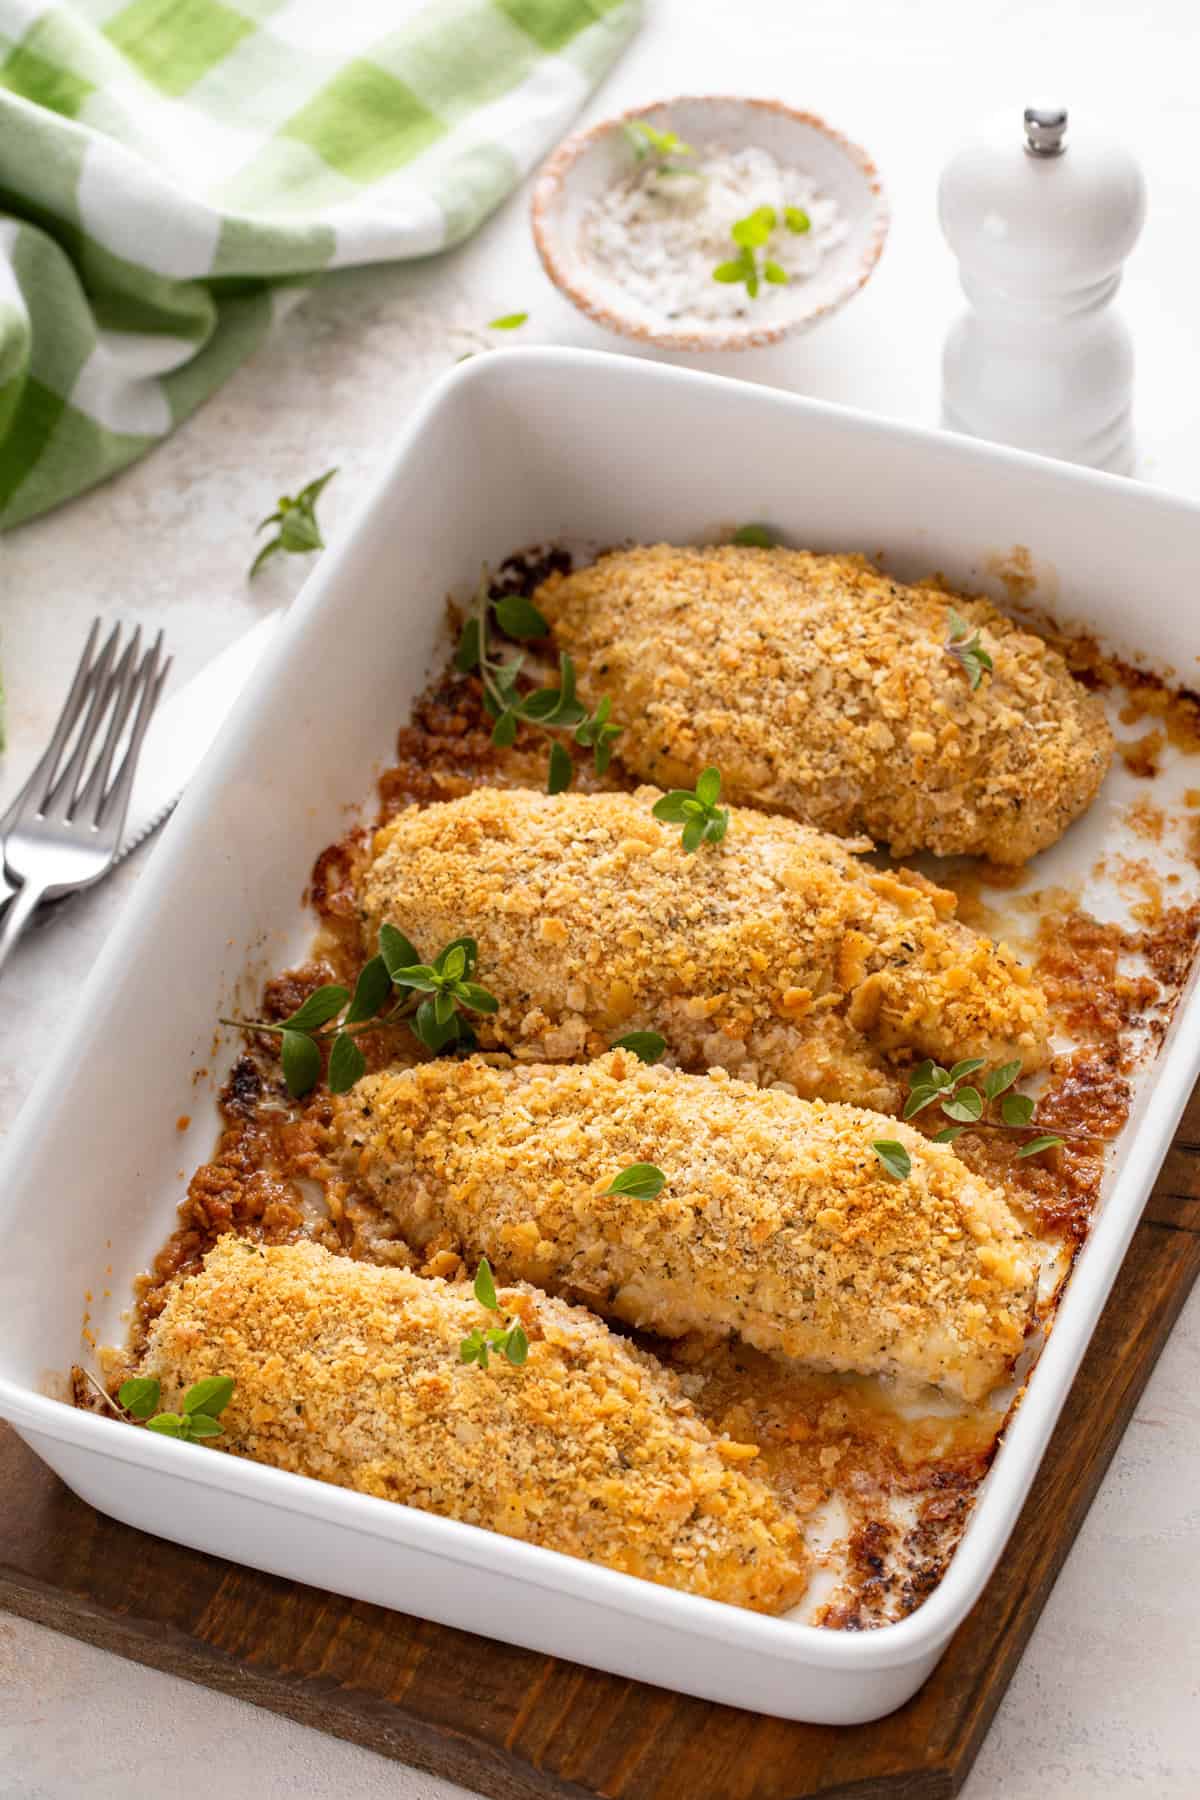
x=1045 y=130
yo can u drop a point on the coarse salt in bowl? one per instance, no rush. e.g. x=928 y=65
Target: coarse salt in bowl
x=635 y=250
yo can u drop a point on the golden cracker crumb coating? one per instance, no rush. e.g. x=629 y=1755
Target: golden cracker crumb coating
x=351 y=1374
x=775 y=954
x=820 y=686
x=778 y=1223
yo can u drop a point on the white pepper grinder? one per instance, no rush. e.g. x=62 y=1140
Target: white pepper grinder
x=1041 y=220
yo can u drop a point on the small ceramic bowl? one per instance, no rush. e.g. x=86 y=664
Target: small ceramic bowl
x=586 y=164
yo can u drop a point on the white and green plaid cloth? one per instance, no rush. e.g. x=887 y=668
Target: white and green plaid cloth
x=169 y=169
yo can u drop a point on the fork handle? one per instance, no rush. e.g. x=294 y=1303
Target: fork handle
x=24 y=905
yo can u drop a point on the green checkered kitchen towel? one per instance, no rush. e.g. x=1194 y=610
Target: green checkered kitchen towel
x=170 y=170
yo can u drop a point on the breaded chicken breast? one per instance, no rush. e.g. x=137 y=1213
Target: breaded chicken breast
x=352 y=1374
x=777 y=1224
x=824 y=688
x=775 y=954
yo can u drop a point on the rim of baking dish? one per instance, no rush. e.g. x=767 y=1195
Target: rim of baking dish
x=1007 y=1484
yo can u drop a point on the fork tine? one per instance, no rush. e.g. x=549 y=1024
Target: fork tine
x=57 y=800
x=110 y=816
x=81 y=682
x=86 y=803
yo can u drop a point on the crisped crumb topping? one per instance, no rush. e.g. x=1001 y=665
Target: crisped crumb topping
x=351 y=1374
x=775 y=954
x=821 y=686
x=777 y=1223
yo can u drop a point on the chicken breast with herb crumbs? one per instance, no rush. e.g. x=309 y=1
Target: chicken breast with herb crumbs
x=777 y=1224
x=352 y=1374
x=824 y=688
x=775 y=953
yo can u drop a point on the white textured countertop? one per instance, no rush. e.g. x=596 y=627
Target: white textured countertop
x=1105 y=1702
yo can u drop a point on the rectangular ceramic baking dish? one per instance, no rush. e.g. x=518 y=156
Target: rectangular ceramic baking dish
x=509 y=450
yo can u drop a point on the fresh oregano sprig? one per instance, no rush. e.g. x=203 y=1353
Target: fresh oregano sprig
x=696 y=810
x=967 y=649
x=647 y=142
x=506 y=1340
x=296 y=517
x=970 y=1106
x=550 y=710
x=751 y=235
x=430 y=999
x=202 y=1405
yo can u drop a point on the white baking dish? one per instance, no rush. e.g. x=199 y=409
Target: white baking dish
x=509 y=450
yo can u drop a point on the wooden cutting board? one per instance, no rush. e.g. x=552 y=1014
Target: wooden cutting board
x=527 y=1727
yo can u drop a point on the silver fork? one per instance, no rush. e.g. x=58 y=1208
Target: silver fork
x=65 y=828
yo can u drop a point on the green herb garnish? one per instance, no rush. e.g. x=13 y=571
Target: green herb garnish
x=966 y=1106
x=547 y=709
x=895 y=1158
x=697 y=811
x=647 y=1046
x=796 y=220
x=751 y=235
x=296 y=518
x=332 y=1015
x=647 y=142
x=507 y=1340
x=641 y=1181
x=761 y=536
x=969 y=650
x=508 y=321
x=202 y=1405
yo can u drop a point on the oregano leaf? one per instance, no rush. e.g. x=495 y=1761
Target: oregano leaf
x=396 y=950
x=318 y=1009
x=647 y=1046
x=347 y=1064
x=1039 y=1144
x=640 y=1181
x=371 y=991
x=504 y=731
x=1016 y=1109
x=520 y=618
x=561 y=770
x=896 y=1162
x=140 y=1395
x=168 y=1424
x=998 y=1080
x=708 y=786
x=211 y=1395
x=301 y=1062
x=485 y=1286
x=203 y=1425
x=466 y=657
